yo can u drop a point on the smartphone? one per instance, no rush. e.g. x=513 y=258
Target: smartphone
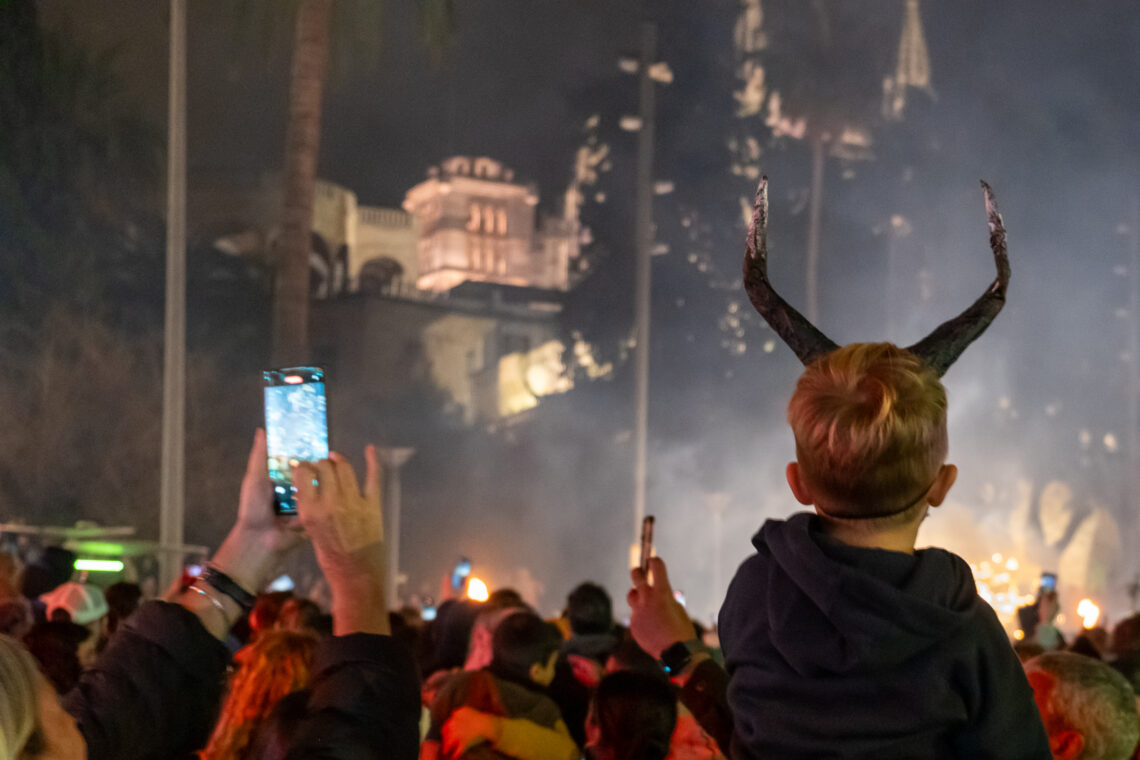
x=646 y=542
x=1049 y=581
x=296 y=428
x=460 y=573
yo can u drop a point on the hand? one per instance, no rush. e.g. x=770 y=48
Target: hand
x=347 y=530
x=588 y=672
x=259 y=537
x=656 y=620
x=468 y=727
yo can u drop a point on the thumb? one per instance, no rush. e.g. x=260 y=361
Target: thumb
x=256 y=466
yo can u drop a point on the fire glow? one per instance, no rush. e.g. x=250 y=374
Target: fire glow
x=1089 y=613
x=477 y=590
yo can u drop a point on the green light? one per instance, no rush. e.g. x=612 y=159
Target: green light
x=111 y=548
x=99 y=565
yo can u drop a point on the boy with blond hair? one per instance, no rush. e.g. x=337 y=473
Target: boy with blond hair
x=842 y=640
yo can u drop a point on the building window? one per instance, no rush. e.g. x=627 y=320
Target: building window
x=474 y=220
x=502 y=219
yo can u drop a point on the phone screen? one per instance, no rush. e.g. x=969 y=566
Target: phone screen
x=1048 y=581
x=460 y=573
x=296 y=427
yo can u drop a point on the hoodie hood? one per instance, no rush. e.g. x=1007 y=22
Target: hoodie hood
x=876 y=607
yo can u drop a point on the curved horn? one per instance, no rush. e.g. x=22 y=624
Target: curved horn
x=943 y=346
x=802 y=337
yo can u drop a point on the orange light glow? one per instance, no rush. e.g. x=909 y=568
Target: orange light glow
x=1019 y=634
x=294 y=379
x=477 y=590
x=1089 y=613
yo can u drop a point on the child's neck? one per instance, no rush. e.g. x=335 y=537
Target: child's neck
x=900 y=539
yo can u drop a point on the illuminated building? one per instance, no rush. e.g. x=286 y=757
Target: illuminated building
x=461 y=288
x=478 y=225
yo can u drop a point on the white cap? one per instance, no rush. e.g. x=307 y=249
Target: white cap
x=84 y=603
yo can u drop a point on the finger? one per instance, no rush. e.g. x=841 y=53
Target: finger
x=660 y=574
x=345 y=475
x=371 y=473
x=633 y=598
x=258 y=461
x=304 y=475
x=640 y=581
x=327 y=477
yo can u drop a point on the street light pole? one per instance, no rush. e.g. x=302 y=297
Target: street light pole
x=392 y=459
x=643 y=274
x=170 y=522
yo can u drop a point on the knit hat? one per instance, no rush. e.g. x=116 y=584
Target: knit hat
x=85 y=604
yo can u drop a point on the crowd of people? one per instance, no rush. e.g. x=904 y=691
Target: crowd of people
x=837 y=638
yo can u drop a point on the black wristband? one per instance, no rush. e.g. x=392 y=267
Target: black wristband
x=226 y=585
x=677 y=656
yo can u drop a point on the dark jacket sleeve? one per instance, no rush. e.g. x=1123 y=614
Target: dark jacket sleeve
x=1004 y=721
x=705 y=695
x=155 y=691
x=364 y=702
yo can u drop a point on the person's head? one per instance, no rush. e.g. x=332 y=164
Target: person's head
x=632 y=717
x=1026 y=650
x=122 y=599
x=629 y=656
x=450 y=634
x=266 y=610
x=56 y=645
x=1088 y=709
x=32 y=721
x=479 y=648
x=524 y=648
x=589 y=610
x=1126 y=636
x=869 y=420
x=84 y=605
x=53 y=568
x=502 y=598
x=277 y=664
x=299 y=615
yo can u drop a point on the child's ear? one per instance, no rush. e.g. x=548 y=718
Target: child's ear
x=942 y=484
x=797 y=484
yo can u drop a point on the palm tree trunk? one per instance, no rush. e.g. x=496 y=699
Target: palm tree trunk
x=815 y=222
x=302 y=147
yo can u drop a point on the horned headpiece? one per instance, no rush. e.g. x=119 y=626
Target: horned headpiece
x=939 y=349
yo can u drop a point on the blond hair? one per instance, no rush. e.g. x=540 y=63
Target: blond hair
x=277 y=664
x=19 y=708
x=869 y=421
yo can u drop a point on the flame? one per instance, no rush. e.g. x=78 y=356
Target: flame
x=477 y=590
x=1089 y=612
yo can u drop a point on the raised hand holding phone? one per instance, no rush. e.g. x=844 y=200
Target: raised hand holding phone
x=346 y=526
x=657 y=620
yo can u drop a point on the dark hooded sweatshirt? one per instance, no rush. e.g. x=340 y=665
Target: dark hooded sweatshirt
x=836 y=651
